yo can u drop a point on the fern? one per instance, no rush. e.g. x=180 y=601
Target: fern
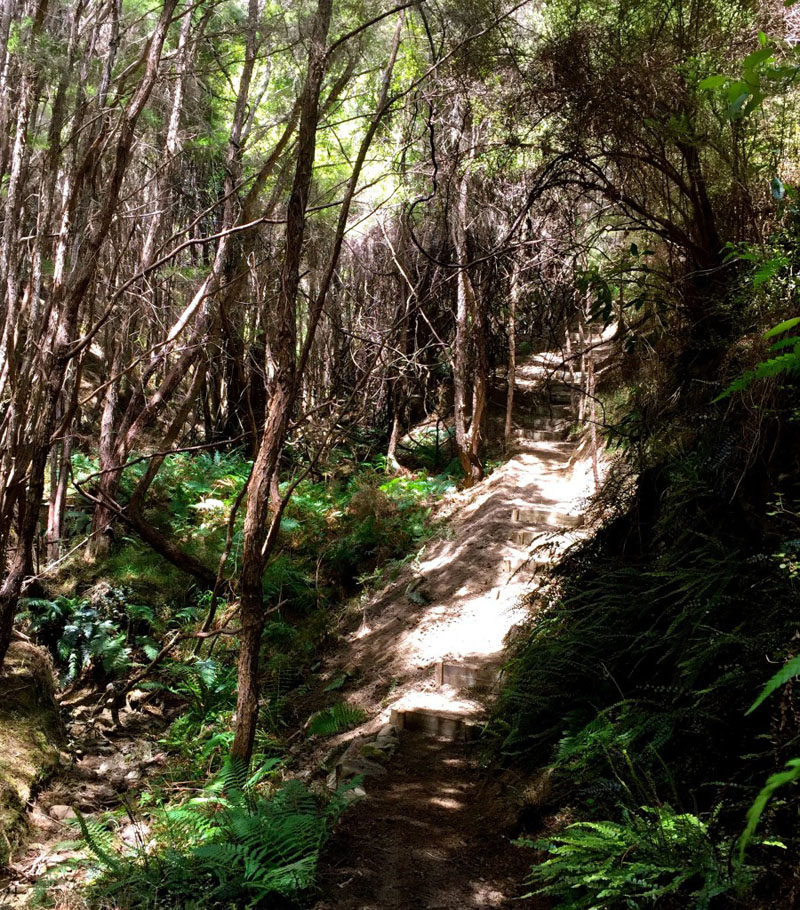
x=335 y=719
x=634 y=863
x=231 y=843
x=781 y=365
x=789 y=775
x=100 y=842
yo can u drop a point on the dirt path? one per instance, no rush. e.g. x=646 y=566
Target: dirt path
x=428 y=650
x=421 y=839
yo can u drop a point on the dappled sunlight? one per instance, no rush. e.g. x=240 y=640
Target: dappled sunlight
x=446 y=802
x=467 y=590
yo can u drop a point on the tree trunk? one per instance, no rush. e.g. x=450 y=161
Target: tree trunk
x=512 y=354
x=259 y=534
x=59 y=476
x=282 y=390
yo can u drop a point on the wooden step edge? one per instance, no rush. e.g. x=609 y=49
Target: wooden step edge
x=467 y=676
x=547 y=518
x=437 y=724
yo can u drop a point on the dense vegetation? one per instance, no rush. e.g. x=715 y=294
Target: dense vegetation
x=266 y=270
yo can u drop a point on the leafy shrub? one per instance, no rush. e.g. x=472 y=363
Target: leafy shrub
x=231 y=846
x=650 y=855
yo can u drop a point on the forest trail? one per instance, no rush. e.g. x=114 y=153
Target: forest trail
x=430 y=649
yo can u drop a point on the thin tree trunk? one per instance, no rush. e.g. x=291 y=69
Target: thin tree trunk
x=512 y=354
x=259 y=533
x=279 y=406
x=58 y=499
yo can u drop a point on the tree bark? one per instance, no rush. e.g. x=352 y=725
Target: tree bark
x=281 y=394
x=512 y=354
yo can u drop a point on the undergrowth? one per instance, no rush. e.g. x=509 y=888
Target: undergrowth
x=635 y=679
x=239 y=843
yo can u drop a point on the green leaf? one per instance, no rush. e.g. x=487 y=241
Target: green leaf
x=736 y=90
x=782 y=327
x=736 y=107
x=751 y=61
x=790 y=774
x=786 y=672
x=713 y=82
x=768 y=270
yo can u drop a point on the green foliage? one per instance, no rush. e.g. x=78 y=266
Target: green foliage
x=335 y=719
x=651 y=854
x=380 y=521
x=148 y=577
x=78 y=635
x=208 y=689
x=787 y=671
x=789 y=775
x=761 y=77
x=637 y=672
x=781 y=365
x=234 y=845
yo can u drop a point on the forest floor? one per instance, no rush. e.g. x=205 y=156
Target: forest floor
x=110 y=769
x=431 y=832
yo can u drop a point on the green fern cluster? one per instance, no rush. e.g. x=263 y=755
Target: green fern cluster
x=79 y=635
x=648 y=856
x=335 y=719
x=784 y=362
x=233 y=846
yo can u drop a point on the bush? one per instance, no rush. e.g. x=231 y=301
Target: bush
x=232 y=846
x=651 y=855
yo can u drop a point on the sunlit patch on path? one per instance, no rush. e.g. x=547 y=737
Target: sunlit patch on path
x=430 y=651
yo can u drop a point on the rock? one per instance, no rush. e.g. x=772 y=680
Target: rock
x=355 y=793
x=355 y=767
x=62 y=813
x=333 y=755
x=332 y=781
x=41 y=820
x=133 y=775
x=375 y=752
x=31 y=734
x=388 y=731
x=134 y=833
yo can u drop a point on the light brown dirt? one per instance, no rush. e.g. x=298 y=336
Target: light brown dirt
x=425 y=838
x=430 y=834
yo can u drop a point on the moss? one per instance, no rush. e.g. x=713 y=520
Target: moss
x=30 y=736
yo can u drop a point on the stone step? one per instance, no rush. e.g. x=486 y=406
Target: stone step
x=439 y=724
x=548 y=517
x=545 y=434
x=533 y=564
x=561 y=419
x=467 y=676
x=554 y=446
x=555 y=410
